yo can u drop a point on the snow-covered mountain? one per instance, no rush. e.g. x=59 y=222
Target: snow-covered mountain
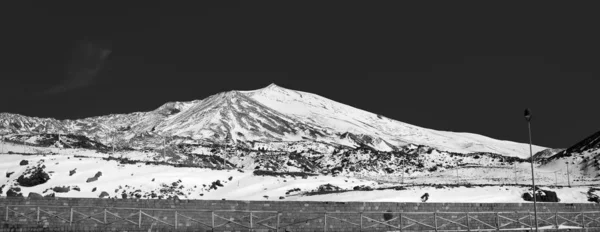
x=584 y=157
x=263 y=117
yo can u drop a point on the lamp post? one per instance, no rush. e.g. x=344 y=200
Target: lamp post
x=568 y=178
x=528 y=118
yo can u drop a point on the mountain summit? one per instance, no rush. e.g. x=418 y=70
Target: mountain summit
x=267 y=115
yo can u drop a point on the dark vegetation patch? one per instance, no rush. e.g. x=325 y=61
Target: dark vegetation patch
x=282 y=174
x=23 y=162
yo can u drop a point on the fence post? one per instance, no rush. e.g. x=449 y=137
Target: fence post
x=140 y=219
x=71 y=217
x=530 y=220
x=582 y=220
x=251 y=227
x=435 y=221
x=325 y=222
x=400 y=223
x=212 y=213
x=176 y=221
x=6 y=213
x=497 y=222
x=556 y=218
x=38 y=214
x=105 y=216
x=277 y=228
x=468 y=222
x=361 y=221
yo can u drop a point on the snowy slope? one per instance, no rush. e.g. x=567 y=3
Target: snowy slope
x=337 y=117
x=271 y=114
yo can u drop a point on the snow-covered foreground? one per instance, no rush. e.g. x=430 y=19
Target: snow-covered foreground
x=194 y=183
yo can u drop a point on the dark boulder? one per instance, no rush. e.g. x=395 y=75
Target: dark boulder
x=33 y=195
x=541 y=196
x=33 y=176
x=72 y=172
x=103 y=194
x=425 y=197
x=14 y=192
x=8 y=174
x=91 y=179
x=51 y=195
x=61 y=189
x=94 y=189
x=23 y=162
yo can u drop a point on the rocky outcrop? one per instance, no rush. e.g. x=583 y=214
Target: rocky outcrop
x=33 y=176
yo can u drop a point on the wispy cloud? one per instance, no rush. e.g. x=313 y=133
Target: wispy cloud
x=87 y=60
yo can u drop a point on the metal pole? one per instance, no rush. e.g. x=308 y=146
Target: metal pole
x=568 y=179
x=515 y=165
x=176 y=222
x=38 y=214
x=532 y=176
x=251 y=222
x=457 y=179
x=105 y=216
x=71 y=218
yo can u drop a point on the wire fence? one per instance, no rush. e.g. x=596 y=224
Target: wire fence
x=88 y=218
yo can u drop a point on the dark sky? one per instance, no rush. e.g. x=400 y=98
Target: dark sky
x=465 y=67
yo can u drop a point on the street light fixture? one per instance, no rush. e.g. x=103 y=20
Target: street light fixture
x=528 y=118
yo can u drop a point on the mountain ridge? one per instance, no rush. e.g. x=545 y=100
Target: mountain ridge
x=269 y=114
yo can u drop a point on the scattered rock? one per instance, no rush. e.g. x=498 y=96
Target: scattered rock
x=91 y=179
x=541 y=196
x=33 y=195
x=51 y=195
x=94 y=189
x=76 y=188
x=14 y=192
x=33 y=176
x=281 y=198
x=8 y=174
x=61 y=189
x=103 y=194
x=328 y=188
x=230 y=178
x=24 y=162
x=362 y=188
x=72 y=172
x=425 y=197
